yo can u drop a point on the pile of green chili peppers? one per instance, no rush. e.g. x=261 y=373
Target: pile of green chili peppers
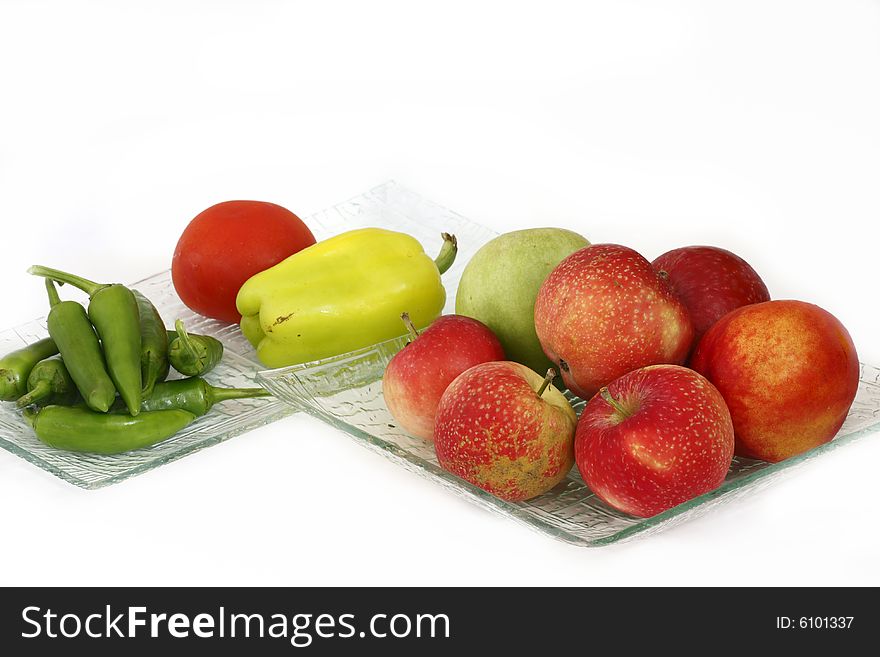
x=98 y=382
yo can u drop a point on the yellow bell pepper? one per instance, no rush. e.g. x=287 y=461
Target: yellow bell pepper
x=342 y=294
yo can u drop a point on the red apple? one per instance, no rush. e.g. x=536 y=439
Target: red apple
x=710 y=282
x=788 y=371
x=502 y=428
x=654 y=438
x=418 y=375
x=604 y=312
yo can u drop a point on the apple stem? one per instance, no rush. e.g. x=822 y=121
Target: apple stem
x=613 y=402
x=409 y=325
x=548 y=379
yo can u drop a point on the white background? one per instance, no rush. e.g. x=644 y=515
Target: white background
x=750 y=125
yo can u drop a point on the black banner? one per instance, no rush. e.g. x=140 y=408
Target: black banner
x=431 y=621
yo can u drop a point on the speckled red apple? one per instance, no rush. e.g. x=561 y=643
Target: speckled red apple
x=419 y=374
x=503 y=428
x=788 y=371
x=654 y=438
x=603 y=312
x=710 y=282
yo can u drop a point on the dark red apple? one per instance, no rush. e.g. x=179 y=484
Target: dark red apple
x=603 y=312
x=654 y=438
x=788 y=371
x=710 y=282
x=504 y=429
x=418 y=375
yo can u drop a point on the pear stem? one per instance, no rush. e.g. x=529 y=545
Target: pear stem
x=413 y=331
x=613 y=402
x=548 y=379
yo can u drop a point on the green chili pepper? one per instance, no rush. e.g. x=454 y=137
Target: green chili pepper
x=74 y=334
x=16 y=366
x=48 y=379
x=80 y=430
x=113 y=310
x=154 y=345
x=194 y=395
x=192 y=355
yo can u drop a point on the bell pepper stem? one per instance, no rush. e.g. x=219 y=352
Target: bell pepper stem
x=548 y=379
x=447 y=252
x=410 y=327
x=54 y=299
x=185 y=340
x=87 y=286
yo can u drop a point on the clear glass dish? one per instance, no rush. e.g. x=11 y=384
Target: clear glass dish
x=237 y=369
x=346 y=392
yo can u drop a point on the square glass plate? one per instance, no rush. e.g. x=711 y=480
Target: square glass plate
x=346 y=392
x=237 y=369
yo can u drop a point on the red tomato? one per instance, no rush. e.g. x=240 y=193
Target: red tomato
x=227 y=244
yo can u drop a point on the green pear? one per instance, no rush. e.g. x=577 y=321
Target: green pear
x=500 y=283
